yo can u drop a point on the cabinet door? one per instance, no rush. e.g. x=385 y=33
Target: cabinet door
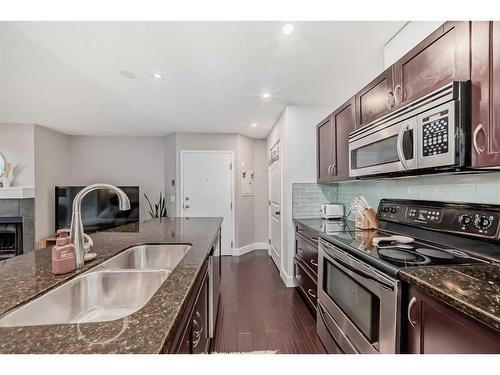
x=485 y=76
x=199 y=321
x=345 y=123
x=325 y=149
x=436 y=328
x=375 y=99
x=442 y=57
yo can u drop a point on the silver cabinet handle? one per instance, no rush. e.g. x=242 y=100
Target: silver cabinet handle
x=313 y=262
x=391 y=102
x=186 y=206
x=479 y=150
x=298 y=275
x=334 y=169
x=197 y=333
x=413 y=300
x=330 y=170
x=311 y=293
x=277 y=213
x=398 y=91
x=300 y=252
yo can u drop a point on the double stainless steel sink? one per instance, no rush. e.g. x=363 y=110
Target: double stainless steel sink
x=115 y=289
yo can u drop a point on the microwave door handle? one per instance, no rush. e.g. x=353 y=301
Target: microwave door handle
x=399 y=146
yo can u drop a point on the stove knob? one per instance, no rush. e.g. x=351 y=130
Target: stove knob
x=394 y=210
x=465 y=219
x=385 y=209
x=483 y=222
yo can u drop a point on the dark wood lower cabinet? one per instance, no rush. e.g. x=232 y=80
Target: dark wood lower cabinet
x=433 y=327
x=307 y=286
x=193 y=335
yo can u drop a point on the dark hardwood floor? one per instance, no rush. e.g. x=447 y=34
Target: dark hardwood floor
x=257 y=312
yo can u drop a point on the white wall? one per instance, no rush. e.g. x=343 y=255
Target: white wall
x=169 y=153
x=261 y=197
x=413 y=33
x=298 y=148
x=137 y=161
x=296 y=129
x=52 y=168
x=17 y=146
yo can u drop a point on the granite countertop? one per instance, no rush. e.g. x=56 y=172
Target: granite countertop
x=146 y=331
x=472 y=289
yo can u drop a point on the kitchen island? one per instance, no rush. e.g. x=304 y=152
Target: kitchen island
x=152 y=329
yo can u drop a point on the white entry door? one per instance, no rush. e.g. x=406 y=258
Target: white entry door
x=275 y=205
x=207 y=189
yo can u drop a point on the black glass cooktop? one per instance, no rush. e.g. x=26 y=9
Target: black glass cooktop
x=393 y=256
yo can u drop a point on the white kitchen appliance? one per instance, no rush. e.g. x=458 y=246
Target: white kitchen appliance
x=332 y=211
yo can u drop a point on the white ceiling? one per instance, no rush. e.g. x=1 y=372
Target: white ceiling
x=66 y=75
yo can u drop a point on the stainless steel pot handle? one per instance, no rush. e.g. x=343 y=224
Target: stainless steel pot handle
x=399 y=146
x=479 y=150
x=413 y=300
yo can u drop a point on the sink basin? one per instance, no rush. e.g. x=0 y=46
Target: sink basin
x=115 y=289
x=144 y=257
x=93 y=297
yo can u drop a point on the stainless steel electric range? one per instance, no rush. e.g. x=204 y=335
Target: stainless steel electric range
x=359 y=291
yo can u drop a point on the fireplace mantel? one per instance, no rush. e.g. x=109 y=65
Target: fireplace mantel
x=17 y=192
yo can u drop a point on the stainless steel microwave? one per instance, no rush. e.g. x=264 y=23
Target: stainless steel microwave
x=431 y=133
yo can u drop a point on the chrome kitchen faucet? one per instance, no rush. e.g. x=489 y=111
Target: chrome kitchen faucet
x=77 y=233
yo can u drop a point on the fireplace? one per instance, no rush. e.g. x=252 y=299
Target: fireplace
x=11 y=237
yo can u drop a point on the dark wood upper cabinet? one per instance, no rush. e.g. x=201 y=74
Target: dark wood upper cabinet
x=333 y=143
x=442 y=57
x=485 y=76
x=325 y=139
x=345 y=123
x=437 y=328
x=375 y=99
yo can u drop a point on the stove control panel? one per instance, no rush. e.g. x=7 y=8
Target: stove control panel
x=474 y=220
x=424 y=214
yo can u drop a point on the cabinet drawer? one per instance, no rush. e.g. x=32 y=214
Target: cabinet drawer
x=307 y=285
x=306 y=253
x=308 y=233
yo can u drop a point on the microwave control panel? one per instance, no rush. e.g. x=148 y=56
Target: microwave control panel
x=435 y=135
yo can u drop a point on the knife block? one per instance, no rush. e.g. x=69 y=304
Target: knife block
x=367 y=221
x=362 y=222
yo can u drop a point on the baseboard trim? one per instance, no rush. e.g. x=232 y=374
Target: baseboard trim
x=288 y=280
x=251 y=247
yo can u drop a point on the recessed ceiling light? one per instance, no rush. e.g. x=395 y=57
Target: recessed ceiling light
x=127 y=74
x=287 y=29
x=158 y=75
x=266 y=95
x=254 y=125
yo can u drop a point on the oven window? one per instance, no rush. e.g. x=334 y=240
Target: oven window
x=377 y=153
x=360 y=305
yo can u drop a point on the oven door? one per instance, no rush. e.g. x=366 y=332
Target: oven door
x=386 y=149
x=362 y=303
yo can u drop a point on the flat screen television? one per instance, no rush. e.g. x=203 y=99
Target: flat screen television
x=99 y=208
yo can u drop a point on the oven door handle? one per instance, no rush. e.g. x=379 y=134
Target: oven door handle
x=399 y=145
x=356 y=271
x=379 y=281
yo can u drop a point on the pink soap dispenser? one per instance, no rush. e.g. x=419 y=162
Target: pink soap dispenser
x=63 y=254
